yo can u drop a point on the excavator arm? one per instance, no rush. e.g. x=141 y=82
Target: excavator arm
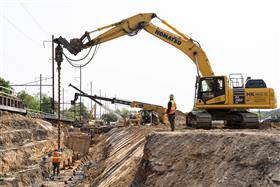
x=131 y=26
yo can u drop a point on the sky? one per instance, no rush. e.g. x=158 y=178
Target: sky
x=238 y=37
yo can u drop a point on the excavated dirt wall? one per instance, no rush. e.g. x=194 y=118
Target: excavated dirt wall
x=210 y=158
x=151 y=156
x=115 y=156
x=144 y=156
x=23 y=141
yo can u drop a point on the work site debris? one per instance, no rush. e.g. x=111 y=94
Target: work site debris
x=180 y=120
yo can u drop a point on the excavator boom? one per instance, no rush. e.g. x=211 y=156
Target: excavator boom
x=131 y=26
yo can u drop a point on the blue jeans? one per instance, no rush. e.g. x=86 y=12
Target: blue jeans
x=171 y=119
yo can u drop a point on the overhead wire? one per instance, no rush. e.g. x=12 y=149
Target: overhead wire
x=33 y=18
x=43 y=79
x=18 y=29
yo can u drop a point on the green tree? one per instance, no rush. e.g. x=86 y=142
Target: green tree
x=6 y=84
x=125 y=112
x=29 y=101
x=74 y=111
x=109 y=117
x=46 y=104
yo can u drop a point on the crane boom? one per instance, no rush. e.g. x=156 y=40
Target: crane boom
x=94 y=99
x=161 y=111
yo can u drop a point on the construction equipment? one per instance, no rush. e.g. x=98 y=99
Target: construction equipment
x=150 y=114
x=216 y=97
x=100 y=104
x=149 y=111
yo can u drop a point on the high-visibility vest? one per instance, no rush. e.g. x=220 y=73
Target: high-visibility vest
x=55 y=158
x=173 y=107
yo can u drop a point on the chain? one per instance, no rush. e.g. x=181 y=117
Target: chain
x=58 y=108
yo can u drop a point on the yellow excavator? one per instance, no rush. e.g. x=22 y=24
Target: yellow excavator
x=217 y=97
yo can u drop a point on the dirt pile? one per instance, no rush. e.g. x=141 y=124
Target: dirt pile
x=180 y=120
x=210 y=158
x=23 y=141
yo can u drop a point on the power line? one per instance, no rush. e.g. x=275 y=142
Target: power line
x=38 y=81
x=33 y=18
x=18 y=29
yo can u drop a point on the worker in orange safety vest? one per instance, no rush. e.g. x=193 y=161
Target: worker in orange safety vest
x=56 y=161
x=171 y=110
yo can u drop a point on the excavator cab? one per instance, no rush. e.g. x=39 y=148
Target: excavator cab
x=211 y=90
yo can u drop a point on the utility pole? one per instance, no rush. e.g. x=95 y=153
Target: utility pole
x=53 y=59
x=53 y=74
x=40 y=106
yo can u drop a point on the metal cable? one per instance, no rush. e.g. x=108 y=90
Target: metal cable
x=33 y=18
x=79 y=65
x=19 y=30
x=76 y=60
x=43 y=79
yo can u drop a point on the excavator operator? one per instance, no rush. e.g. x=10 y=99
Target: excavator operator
x=171 y=110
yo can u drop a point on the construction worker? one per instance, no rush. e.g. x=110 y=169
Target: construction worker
x=138 y=118
x=44 y=163
x=55 y=161
x=171 y=109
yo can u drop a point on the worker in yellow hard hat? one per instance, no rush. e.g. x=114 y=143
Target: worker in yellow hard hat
x=171 y=110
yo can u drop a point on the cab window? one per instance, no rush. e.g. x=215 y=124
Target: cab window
x=220 y=85
x=207 y=85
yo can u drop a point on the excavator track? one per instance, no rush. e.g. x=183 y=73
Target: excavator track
x=242 y=119
x=199 y=119
x=234 y=119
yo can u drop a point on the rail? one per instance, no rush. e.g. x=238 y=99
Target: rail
x=44 y=115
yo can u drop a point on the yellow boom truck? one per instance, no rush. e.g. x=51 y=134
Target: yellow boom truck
x=147 y=113
x=217 y=97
